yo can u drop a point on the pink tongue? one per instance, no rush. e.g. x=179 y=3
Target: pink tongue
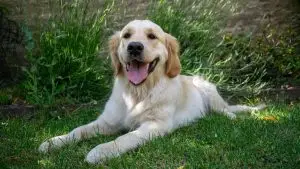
x=137 y=72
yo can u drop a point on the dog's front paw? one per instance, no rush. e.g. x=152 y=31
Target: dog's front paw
x=53 y=143
x=102 y=152
x=93 y=157
x=45 y=147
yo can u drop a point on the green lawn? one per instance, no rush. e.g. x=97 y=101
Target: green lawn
x=65 y=66
x=268 y=139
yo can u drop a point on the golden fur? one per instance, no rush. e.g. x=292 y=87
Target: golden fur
x=157 y=106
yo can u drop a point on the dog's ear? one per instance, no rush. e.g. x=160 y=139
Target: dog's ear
x=113 y=49
x=173 y=66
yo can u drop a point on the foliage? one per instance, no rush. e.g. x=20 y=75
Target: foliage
x=227 y=60
x=283 y=49
x=67 y=63
x=66 y=66
x=4 y=99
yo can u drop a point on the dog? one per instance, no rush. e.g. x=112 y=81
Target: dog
x=149 y=97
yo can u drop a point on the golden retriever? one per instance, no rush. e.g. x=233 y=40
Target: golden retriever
x=149 y=97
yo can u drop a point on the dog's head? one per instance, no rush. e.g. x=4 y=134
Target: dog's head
x=142 y=49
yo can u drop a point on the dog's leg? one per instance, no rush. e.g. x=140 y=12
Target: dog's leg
x=107 y=123
x=131 y=140
x=86 y=131
x=218 y=104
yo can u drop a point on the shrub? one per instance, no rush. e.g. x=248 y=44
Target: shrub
x=5 y=99
x=66 y=64
x=282 y=46
x=226 y=60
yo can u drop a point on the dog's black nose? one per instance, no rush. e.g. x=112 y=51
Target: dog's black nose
x=135 y=48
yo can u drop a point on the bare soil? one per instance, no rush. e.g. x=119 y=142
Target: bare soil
x=256 y=14
x=250 y=16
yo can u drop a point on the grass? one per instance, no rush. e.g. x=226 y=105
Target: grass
x=228 y=61
x=268 y=139
x=66 y=64
x=65 y=68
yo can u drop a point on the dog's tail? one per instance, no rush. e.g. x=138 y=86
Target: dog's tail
x=217 y=103
x=231 y=110
x=245 y=108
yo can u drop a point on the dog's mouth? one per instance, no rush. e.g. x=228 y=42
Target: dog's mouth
x=137 y=72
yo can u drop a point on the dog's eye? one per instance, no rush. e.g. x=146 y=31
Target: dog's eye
x=152 y=36
x=126 y=35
